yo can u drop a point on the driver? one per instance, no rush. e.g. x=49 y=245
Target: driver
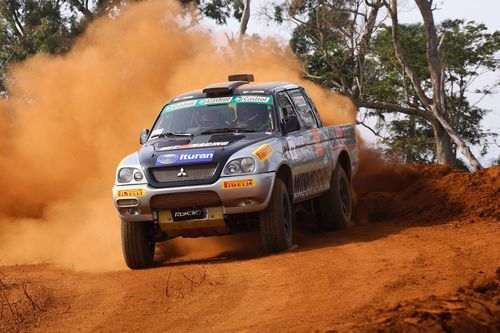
x=211 y=117
x=253 y=116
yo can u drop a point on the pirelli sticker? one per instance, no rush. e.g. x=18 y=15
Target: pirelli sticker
x=263 y=152
x=135 y=192
x=242 y=183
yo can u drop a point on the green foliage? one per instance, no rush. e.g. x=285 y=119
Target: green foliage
x=467 y=51
x=28 y=27
x=218 y=10
x=323 y=39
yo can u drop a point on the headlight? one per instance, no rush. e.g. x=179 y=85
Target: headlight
x=241 y=165
x=125 y=175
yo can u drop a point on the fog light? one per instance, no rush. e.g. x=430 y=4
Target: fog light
x=127 y=202
x=247 y=202
x=138 y=176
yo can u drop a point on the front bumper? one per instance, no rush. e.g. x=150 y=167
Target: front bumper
x=234 y=199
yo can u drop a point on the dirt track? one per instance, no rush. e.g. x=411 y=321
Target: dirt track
x=432 y=233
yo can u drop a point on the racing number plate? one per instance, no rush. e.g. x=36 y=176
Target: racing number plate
x=184 y=214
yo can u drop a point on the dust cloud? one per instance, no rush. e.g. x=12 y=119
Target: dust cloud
x=70 y=119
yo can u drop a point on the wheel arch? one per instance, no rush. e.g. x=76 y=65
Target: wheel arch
x=345 y=161
x=285 y=174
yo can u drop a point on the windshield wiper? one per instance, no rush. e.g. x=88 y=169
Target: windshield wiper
x=227 y=130
x=171 y=134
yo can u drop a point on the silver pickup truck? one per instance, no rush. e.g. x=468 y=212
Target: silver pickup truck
x=234 y=157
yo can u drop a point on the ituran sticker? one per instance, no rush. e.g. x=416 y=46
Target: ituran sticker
x=193 y=156
x=196 y=145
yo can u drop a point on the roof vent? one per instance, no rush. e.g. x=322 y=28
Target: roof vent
x=241 y=77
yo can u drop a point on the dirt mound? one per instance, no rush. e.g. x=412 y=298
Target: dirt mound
x=426 y=193
x=474 y=308
x=22 y=302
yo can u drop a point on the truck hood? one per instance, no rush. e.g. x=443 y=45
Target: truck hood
x=181 y=151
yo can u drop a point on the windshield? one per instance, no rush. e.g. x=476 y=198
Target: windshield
x=246 y=113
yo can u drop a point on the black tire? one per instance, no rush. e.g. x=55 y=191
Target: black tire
x=334 y=207
x=138 y=244
x=276 y=220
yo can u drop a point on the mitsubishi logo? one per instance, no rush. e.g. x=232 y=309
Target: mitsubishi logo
x=182 y=173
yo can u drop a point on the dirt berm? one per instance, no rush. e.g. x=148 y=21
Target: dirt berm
x=424 y=256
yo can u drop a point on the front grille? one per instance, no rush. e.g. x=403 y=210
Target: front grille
x=186 y=199
x=193 y=172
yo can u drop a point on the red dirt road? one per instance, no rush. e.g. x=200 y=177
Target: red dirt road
x=338 y=281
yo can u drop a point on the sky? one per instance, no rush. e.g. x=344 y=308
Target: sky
x=483 y=11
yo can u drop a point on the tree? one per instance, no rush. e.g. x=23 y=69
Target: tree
x=334 y=38
x=467 y=51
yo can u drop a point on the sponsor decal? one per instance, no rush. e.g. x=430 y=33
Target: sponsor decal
x=320 y=151
x=180 y=105
x=253 y=99
x=136 y=192
x=263 y=152
x=167 y=159
x=187 y=214
x=232 y=184
x=194 y=156
x=196 y=145
x=217 y=100
x=299 y=100
x=192 y=212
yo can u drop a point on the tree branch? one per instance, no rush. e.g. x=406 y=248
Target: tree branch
x=84 y=10
x=393 y=11
x=390 y=107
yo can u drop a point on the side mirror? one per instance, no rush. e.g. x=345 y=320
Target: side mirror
x=291 y=125
x=144 y=135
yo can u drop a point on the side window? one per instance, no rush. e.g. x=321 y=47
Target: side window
x=314 y=108
x=285 y=106
x=304 y=109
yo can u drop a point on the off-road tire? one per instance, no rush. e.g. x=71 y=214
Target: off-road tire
x=276 y=220
x=334 y=207
x=138 y=244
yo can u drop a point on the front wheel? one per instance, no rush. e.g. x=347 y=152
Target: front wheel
x=334 y=207
x=138 y=244
x=276 y=220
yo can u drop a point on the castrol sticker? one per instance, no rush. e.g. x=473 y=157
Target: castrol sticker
x=253 y=99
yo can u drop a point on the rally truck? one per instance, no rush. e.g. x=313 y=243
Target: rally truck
x=233 y=157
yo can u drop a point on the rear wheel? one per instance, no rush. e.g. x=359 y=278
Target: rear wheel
x=334 y=207
x=138 y=244
x=276 y=220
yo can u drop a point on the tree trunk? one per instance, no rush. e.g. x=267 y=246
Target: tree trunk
x=244 y=18
x=444 y=151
